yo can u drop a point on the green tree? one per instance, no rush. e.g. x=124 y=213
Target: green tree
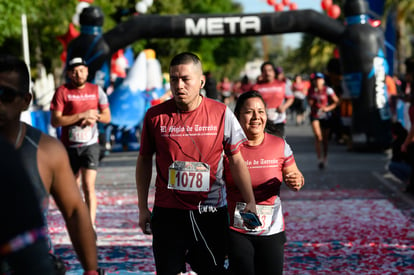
x=404 y=27
x=48 y=19
x=313 y=53
x=45 y=20
x=224 y=56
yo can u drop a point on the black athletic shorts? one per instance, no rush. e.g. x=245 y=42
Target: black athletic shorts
x=85 y=157
x=324 y=123
x=200 y=239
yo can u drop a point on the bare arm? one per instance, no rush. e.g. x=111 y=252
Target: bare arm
x=282 y=108
x=88 y=118
x=310 y=101
x=330 y=107
x=293 y=177
x=105 y=116
x=408 y=139
x=143 y=174
x=241 y=178
x=60 y=181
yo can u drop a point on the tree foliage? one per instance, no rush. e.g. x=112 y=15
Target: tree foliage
x=224 y=56
x=404 y=25
x=313 y=54
x=48 y=19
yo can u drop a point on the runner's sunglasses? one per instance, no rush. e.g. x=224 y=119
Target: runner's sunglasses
x=7 y=95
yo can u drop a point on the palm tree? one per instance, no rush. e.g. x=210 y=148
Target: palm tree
x=404 y=25
x=313 y=53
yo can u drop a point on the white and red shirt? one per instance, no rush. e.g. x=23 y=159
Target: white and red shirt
x=265 y=163
x=298 y=90
x=198 y=136
x=319 y=98
x=274 y=94
x=70 y=100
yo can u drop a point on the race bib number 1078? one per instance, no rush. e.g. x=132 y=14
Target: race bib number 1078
x=189 y=176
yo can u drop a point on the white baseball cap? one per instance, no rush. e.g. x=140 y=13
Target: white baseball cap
x=76 y=61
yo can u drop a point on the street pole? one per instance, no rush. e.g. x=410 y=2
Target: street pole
x=25 y=41
x=25 y=116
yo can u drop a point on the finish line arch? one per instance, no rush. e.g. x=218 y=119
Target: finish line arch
x=361 y=46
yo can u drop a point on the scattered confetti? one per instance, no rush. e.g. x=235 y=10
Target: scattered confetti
x=328 y=231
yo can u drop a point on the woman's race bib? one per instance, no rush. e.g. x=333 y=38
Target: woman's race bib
x=264 y=212
x=189 y=176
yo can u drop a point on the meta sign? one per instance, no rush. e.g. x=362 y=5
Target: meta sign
x=217 y=26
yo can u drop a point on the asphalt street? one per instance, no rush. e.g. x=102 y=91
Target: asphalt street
x=345 y=169
x=352 y=217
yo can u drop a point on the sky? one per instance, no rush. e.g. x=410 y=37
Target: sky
x=255 y=6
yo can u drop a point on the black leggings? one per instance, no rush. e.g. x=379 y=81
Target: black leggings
x=256 y=255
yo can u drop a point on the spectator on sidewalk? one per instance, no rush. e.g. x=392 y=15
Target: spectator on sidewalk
x=408 y=145
x=399 y=164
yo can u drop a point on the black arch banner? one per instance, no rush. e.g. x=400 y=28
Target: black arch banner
x=219 y=25
x=362 y=50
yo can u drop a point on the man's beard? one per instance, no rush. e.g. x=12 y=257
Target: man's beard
x=79 y=83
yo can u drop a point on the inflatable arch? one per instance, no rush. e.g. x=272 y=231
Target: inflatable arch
x=361 y=46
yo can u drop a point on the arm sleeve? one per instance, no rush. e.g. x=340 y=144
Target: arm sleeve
x=57 y=102
x=288 y=89
x=288 y=153
x=147 y=138
x=330 y=91
x=103 y=99
x=233 y=133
